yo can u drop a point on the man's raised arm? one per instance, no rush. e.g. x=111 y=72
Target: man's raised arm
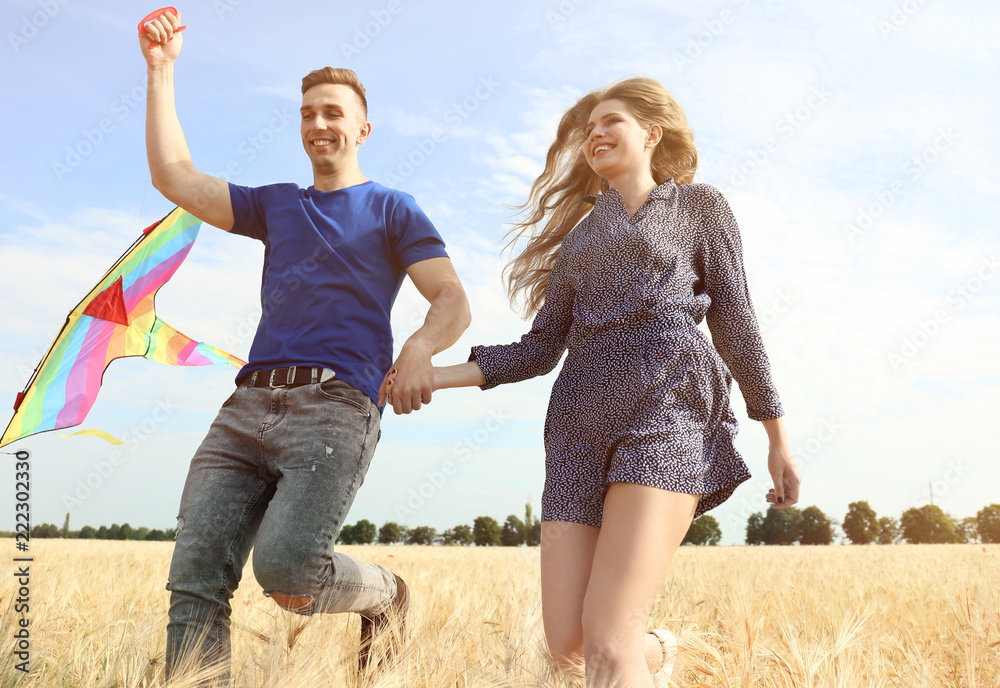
x=170 y=166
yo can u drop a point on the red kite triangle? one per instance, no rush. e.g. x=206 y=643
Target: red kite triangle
x=109 y=304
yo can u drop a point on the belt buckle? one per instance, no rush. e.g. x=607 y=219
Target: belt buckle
x=270 y=380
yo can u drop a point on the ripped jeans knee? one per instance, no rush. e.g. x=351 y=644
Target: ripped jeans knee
x=300 y=604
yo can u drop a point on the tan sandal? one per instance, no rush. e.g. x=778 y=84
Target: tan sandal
x=669 y=668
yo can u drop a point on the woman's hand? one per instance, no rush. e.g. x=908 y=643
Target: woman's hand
x=461 y=375
x=786 y=476
x=781 y=465
x=385 y=389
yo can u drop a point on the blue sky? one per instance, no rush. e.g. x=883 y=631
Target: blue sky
x=855 y=141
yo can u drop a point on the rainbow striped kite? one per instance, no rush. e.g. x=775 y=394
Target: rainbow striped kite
x=116 y=319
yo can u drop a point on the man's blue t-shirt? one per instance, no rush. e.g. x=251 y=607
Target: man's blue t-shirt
x=333 y=264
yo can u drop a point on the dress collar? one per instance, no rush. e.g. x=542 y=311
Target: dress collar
x=661 y=192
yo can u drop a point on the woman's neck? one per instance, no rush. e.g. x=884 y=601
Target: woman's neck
x=634 y=189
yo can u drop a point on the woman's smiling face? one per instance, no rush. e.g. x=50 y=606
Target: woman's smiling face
x=616 y=141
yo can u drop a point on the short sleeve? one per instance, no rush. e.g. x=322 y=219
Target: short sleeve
x=248 y=211
x=730 y=316
x=412 y=236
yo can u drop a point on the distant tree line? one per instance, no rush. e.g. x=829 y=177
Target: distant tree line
x=115 y=532
x=919 y=525
x=808 y=526
x=485 y=531
x=861 y=526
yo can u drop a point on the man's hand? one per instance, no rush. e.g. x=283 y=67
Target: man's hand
x=410 y=382
x=171 y=169
x=163 y=32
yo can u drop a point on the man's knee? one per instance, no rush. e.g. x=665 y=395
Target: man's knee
x=284 y=580
x=300 y=604
x=278 y=567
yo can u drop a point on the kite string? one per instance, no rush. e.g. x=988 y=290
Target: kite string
x=142 y=205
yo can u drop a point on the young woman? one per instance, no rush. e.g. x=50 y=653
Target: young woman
x=630 y=257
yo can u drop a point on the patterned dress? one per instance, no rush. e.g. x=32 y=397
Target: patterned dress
x=643 y=396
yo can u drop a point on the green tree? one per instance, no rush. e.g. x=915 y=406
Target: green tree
x=88 y=533
x=65 y=530
x=782 y=526
x=888 y=531
x=142 y=533
x=389 y=533
x=927 y=524
x=532 y=527
x=126 y=532
x=861 y=523
x=421 y=535
x=988 y=524
x=534 y=535
x=347 y=535
x=46 y=530
x=704 y=530
x=486 y=531
x=364 y=532
x=817 y=529
x=967 y=530
x=459 y=535
x=115 y=532
x=512 y=533
x=755 y=529
x=155 y=535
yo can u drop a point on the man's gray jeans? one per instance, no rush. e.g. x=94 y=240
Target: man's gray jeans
x=278 y=472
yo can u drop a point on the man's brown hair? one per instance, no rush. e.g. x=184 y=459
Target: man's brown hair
x=332 y=75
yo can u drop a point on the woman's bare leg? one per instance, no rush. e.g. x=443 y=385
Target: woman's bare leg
x=642 y=528
x=567 y=551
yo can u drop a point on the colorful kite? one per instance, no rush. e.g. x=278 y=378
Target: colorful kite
x=116 y=319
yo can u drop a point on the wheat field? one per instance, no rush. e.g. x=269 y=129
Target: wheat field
x=924 y=616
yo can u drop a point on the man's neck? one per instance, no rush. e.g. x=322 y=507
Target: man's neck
x=340 y=179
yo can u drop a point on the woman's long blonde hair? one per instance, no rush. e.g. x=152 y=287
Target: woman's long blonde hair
x=556 y=199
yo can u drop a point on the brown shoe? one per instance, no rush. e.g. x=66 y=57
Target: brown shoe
x=392 y=620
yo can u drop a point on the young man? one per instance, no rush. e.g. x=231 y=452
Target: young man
x=283 y=460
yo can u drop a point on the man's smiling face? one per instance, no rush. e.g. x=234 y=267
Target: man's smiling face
x=333 y=126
